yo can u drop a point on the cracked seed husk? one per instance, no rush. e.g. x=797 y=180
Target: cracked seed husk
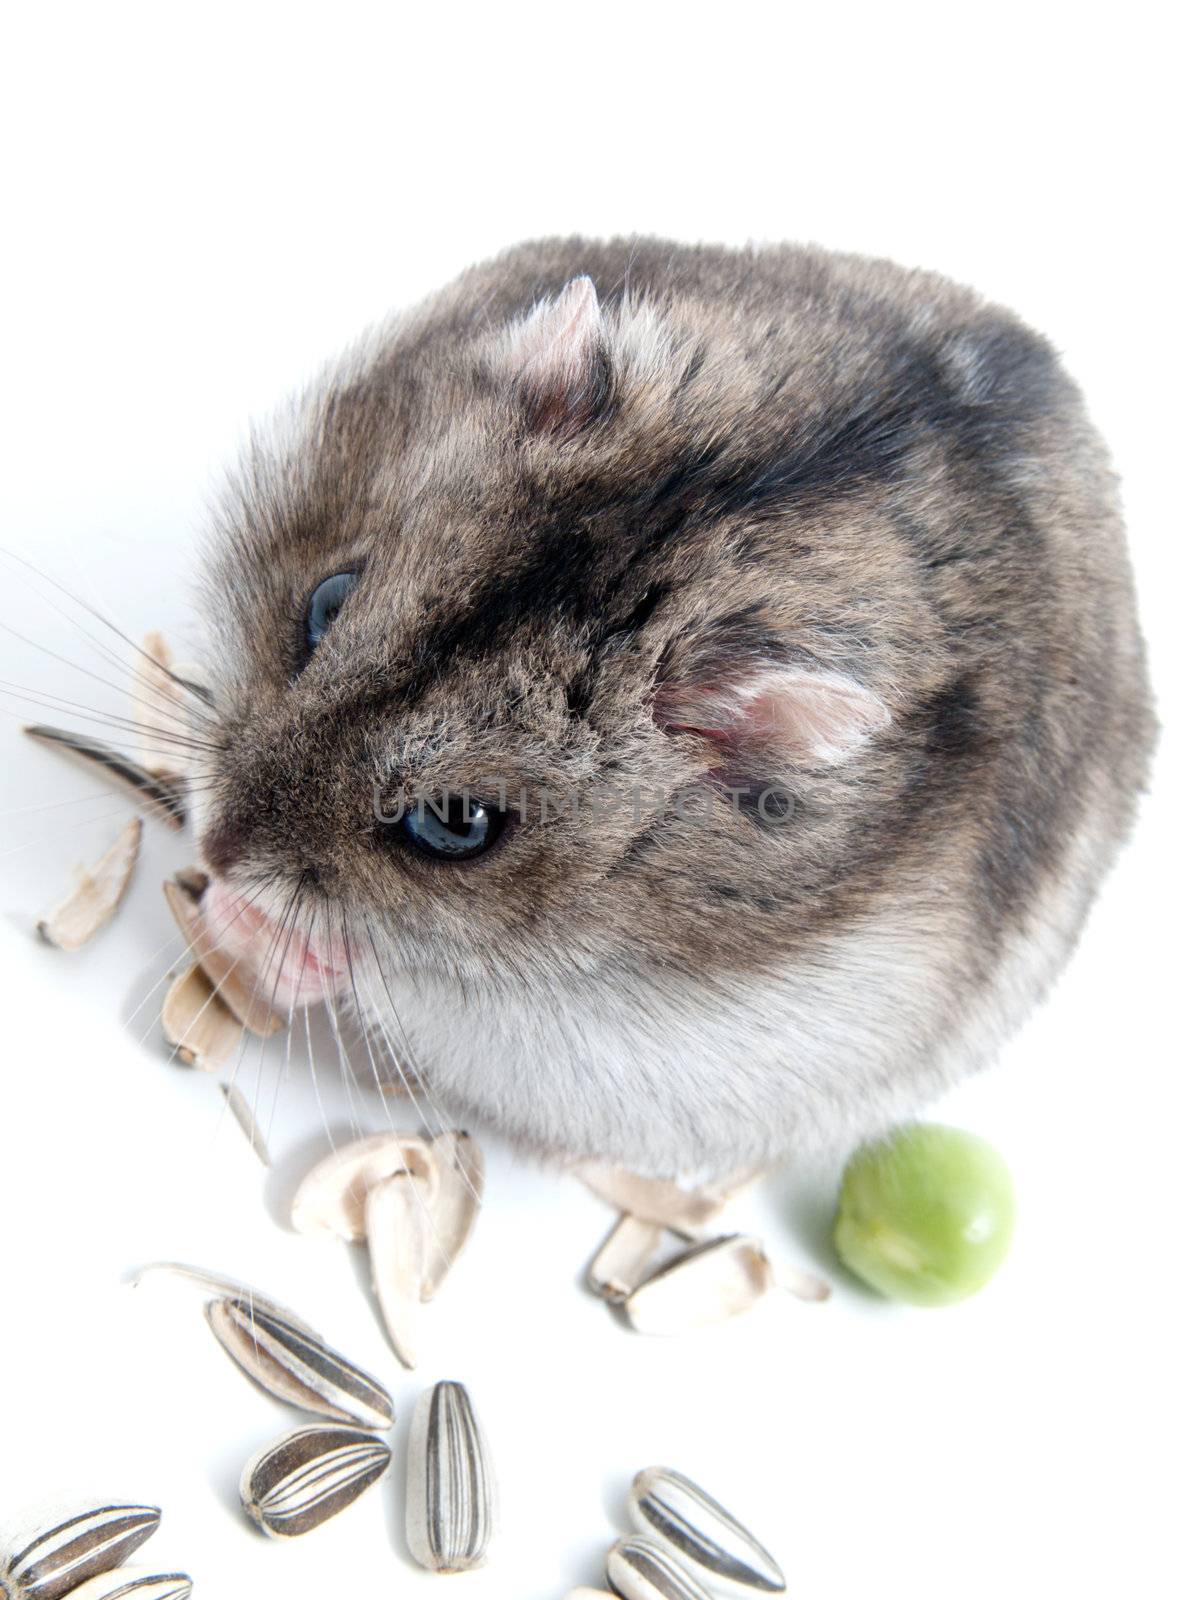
x=309 y=1476
x=453 y=1206
x=331 y=1199
x=237 y=987
x=197 y=1024
x=97 y=893
x=640 y=1570
x=397 y=1237
x=657 y=1200
x=160 y=710
x=54 y=1561
x=623 y=1259
x=707 y=1283
x=295 y=1365
x=451 y=1492
x=702 y=1534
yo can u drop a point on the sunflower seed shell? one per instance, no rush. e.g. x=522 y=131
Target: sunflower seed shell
x=295 y=1365
x=237 y=987
x=453 y=1206
x=309 y=1476
x=686 y=1211
x=332 y=1198
x=57 y=1560
x=134 y=1583
x=451 y=1494
x=702 y=1534
x=197 y=1024
x=705 y=1284
x=96 y=895
x=159 y=710
x=623 y=1259
x=161 y=797
x=397 y=1237
x=639 y=1570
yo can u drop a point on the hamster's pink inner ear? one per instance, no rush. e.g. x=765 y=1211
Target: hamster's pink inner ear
x=558 y=360
x=796 y=713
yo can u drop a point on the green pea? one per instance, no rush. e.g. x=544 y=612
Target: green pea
x=926 y=1215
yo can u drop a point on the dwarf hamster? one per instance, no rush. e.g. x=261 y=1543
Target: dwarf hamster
x=685 y=698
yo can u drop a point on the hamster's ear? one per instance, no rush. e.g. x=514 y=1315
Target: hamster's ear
x=558 y=360
x=795 y=713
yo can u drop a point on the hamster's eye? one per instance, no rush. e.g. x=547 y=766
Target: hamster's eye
x=453 y=831
x=325 y=601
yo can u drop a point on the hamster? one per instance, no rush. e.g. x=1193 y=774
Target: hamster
x=684 y=699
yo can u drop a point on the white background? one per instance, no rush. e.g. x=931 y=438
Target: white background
x=200 y=203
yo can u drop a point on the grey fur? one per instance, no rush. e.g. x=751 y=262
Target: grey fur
x=756 y=462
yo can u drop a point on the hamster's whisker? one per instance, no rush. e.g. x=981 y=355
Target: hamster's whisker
x=190 y=688
x=411 y=1066
x=344 y=1065
x=391 y=1050
x=316 y=1085
x=284 y=1073
x=52 y=836
x=124 y=690
x=287 y=924
x=109 y=719
x=55 y=805
x=256 y=993
x=416 y=1188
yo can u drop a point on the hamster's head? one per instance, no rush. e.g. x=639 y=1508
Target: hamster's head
x=532 y=653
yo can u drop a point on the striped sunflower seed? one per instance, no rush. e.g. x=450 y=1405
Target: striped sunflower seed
x=639 y=1570
x=451 y=1493
x=134 y=1583
x=309 y=1476
x=296 y=1365
x=56 y=1560
x=704 y=1536
x=162 y=798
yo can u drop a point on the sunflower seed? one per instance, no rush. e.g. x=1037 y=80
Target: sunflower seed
x=296 y=1365
x=163 y=798
x=197 y=1024
x=685 y=1211
x=705 y=1284
x=622 y=1260
x=237 y=988
x=332 y=1198
x=96 y=894
x=134 y=1583
x=451 y=1495
x=802 y=1284
x=159 y=709
x=702 y=1534
x=639 y=1570
x=309 y=1476
x=243 y=1115
x=397 y=1236
x=56 y=1560
x=453 y=1205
